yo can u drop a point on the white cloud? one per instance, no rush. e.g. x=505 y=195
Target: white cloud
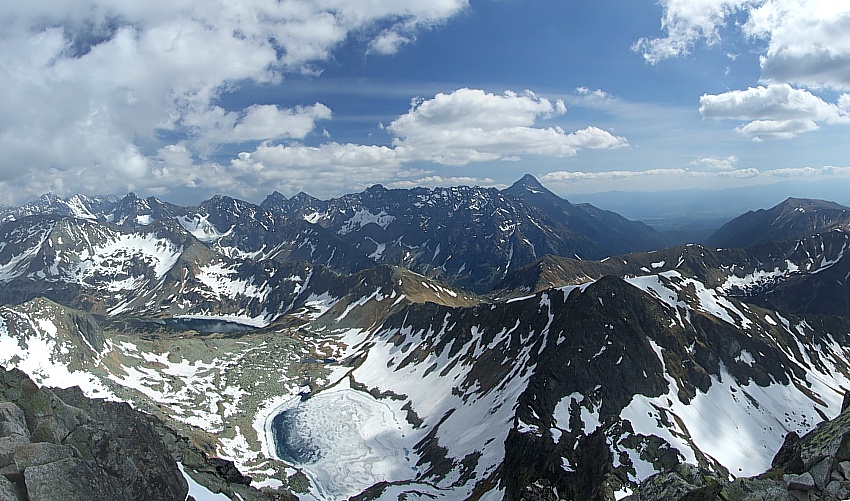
x=777 y=111
x=100 y=87
x=591 y=97
x=760 y=130
x=388 y=43
x=254 y=123
x=687 y=22
x=470 y=125
x=807 y=41
x=774 y=102
x=716 y=163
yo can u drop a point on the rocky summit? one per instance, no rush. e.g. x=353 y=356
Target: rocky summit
x=457 y=343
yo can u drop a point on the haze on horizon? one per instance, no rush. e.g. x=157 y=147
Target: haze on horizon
x=186 y=99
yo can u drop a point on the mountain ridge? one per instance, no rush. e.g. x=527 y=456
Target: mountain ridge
x=583 y=377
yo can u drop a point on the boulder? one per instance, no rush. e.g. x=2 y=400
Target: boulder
x=7 y=449
x=801 y=482
x=838 y=490
x=72 y=479
x=820 y=472
x=28 y=455
x=12 y=421
x=62 y=445
x=684 y=482
x=125 y=445
x=844 y=469
x=8 y=491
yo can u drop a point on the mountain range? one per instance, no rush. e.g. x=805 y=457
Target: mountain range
x=454 y=343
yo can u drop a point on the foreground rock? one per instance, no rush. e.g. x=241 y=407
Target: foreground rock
x=52 y=450
x=810 y=468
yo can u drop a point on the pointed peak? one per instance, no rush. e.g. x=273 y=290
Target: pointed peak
x=528 y=185
x=529 y=180
x=276 y=195
x=304 y=197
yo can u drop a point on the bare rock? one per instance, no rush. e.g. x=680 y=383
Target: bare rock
x=126 y=446
x=8 y=491
x=844 y=469
x=788 y=458
x=12 y=421
x=684 y=482
x=802 y=482
x=72 y=479
x=7 y=449
x=820 y=472
x=28 y=455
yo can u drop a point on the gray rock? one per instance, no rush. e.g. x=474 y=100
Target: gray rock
x=12 y=421
x=802 y=482
x=72 y=479
x=82 y=448
x=7 y=448
x=844 y=469
x=126 y=445
x=8 y=491
x=838 y=490
x=685 y=482
x=27 y=455
x=820 y=472
x=756 y=489
x=801 y=495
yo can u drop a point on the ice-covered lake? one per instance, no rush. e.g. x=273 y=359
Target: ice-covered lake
x=344 y=440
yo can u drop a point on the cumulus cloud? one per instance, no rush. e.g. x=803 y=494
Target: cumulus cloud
x=807 y=42
x=100 y=87
x=773 y=102
x=687 y=22
x=804 y=43
x=589 y=97
x=470 y=125
x=456 y=128
x=255 y=123
x=759 y=130
x=776 y=111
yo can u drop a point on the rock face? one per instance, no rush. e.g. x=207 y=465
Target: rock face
x=58 y=445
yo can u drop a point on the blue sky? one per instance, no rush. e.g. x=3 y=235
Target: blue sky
x=184 y=99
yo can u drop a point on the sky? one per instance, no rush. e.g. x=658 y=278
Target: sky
x=184 y=99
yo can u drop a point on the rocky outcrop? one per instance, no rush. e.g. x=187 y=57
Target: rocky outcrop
x=815 y=467
x=53 y=449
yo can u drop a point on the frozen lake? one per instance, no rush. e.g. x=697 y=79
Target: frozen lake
x=344 y=440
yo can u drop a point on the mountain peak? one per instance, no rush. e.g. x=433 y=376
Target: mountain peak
x=528 y=185
x=791 y=219
x=529 y=182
